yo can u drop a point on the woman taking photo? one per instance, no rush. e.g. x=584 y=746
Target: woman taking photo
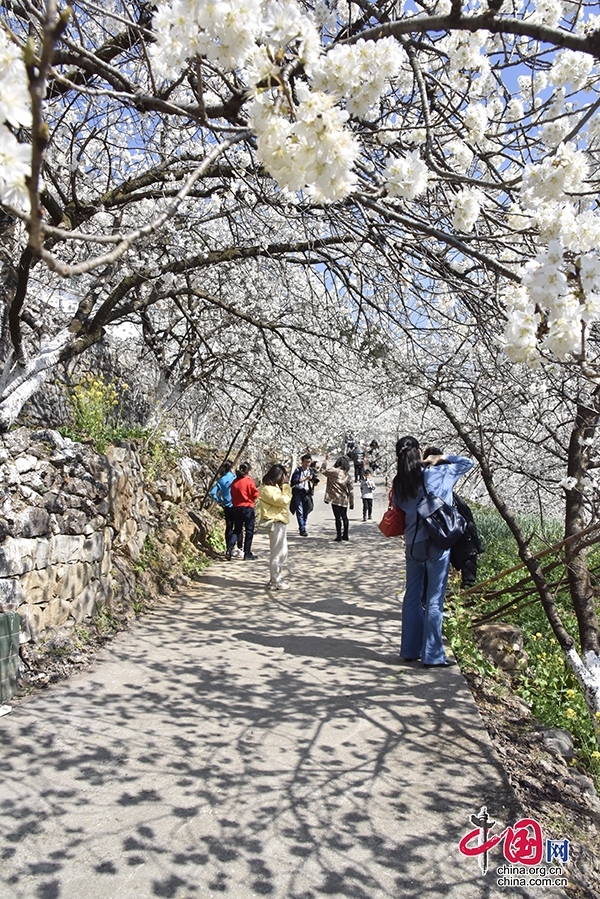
x=340 y=493
x=422 y=628
x=275 y=498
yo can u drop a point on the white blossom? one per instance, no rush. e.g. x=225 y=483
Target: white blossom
x=476 y=121
x=568 y=483
x=460 y=156
x=564 y=337
x=589 y=270
x=407 y=176
x=314 y=152
x=15 y=165
x=360 y=72
x=547 y=12
x=515 y=110
x=553 y=133
x=520 y=334
x=466 y=205
x=571 y=68
x=548 y=181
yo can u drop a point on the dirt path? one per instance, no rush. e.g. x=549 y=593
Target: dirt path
x=245 y=743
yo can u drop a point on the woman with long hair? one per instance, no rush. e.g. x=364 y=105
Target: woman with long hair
x=275 y=497
x=422 y=628
x=340 y=493
x=243 y=497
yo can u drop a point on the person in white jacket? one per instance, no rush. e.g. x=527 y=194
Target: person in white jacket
x=275 y=497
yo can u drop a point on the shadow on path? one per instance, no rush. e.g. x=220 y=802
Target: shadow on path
x=243 y=743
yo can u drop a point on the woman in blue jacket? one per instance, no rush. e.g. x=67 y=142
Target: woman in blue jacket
x=221 y=493
x=422 y=628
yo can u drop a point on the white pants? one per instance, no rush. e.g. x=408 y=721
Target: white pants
x=279 y=551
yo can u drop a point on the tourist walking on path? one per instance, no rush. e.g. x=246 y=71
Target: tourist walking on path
x=221 y=493
x=275 y=498
x=367 y=490
x=304 y=481
x=358 y=457
x=340 y=493
x=372 y=457
x=422 y=628
x=243 y=497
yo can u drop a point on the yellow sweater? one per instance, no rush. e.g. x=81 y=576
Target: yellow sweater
x=275 y=502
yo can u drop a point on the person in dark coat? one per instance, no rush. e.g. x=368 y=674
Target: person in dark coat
x=304 y=481
x=463 y=555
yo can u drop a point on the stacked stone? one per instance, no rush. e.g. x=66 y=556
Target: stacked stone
x=64 y=511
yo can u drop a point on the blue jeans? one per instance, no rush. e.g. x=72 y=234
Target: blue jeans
x=303 y=510
x=422 y=629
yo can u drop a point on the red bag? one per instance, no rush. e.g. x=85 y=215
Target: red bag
x=393 y=522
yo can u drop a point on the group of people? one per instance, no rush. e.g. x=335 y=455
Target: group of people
x=427 y=565
x=238 y=495
x=362 y=457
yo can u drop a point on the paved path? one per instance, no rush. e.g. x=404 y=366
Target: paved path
x=240 y=743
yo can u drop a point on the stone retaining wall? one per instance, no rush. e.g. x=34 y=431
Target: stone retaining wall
x=66 y=512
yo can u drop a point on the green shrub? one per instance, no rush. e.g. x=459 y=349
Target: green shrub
x=216 y=539
x=192 y=561
x=94 y=405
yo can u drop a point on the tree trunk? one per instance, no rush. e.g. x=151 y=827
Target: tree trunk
x=20 y=382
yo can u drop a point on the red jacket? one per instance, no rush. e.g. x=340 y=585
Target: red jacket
x=243 y=492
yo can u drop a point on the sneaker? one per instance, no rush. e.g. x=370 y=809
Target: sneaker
x=236 y=553
x=338 y=540
x=345 y=537
x=282 y=585
x=303 y=534
x=249 y=556
x=228 y=555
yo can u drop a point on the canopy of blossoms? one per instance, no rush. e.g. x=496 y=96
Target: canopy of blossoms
x=472 y=124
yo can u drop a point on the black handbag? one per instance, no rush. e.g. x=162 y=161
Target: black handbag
x=444 y=524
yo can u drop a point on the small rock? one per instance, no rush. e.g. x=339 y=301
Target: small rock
x=559 y=742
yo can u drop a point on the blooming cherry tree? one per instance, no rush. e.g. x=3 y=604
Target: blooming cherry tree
x=433 y=168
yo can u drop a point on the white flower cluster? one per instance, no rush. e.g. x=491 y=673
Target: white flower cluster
x=227 y=31
x=360 y=72
x=548 y=181
x=464 y=51
x=571 y=68
x=303 y=142
x=460 y=156
x=15 y=158
x=466 y=206
x=578 y=232
x=546 y=287
x=520 y=334
x=515 y=110
x=222 y=30
x=315 y=152
x=407 y=176
x=476 y=121
x=547 y=12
